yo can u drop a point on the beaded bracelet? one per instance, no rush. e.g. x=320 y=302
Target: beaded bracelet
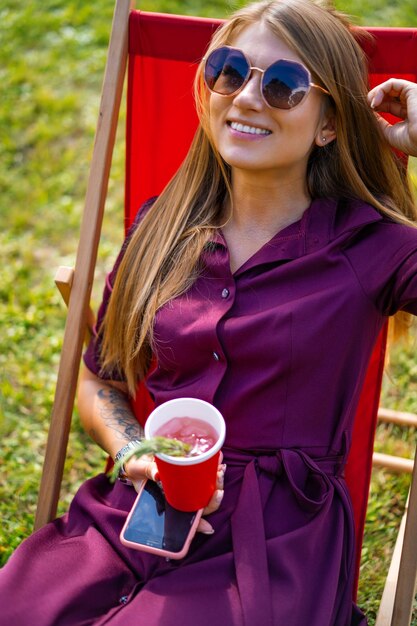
x=119 y=456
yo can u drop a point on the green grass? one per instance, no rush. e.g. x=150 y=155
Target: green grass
x=51 y=64
x=379 y=12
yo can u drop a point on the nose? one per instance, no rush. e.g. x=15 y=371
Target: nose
x=250 y=96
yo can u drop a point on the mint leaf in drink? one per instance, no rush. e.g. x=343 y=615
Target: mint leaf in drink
x=155 y=445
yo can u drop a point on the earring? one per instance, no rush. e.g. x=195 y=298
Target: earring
x=323 y=139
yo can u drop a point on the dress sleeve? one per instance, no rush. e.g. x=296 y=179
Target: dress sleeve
x=384 y=258
x=91 y=355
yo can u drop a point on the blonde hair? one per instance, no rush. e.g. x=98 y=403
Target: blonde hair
x=162 y=258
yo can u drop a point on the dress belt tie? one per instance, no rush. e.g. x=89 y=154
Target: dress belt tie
x=313 y=490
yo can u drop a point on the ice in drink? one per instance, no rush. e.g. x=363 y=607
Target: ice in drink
x=197 y=433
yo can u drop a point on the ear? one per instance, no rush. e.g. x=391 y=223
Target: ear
x=327 y=129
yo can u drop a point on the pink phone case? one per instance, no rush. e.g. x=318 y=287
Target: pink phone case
x=160 y=552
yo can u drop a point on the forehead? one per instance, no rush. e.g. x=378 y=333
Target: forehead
x=262 y=46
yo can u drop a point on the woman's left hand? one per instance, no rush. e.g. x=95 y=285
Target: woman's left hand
x=398 y=97
x=204 y=526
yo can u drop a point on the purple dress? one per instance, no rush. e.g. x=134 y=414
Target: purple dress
x=281 y=348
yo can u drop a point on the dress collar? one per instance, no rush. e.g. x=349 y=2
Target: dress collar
x=324 y=220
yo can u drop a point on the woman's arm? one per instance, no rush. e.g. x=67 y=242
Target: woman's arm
x=107 y=417
x=398 y=97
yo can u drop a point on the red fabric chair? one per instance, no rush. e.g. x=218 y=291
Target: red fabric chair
x=163 y=51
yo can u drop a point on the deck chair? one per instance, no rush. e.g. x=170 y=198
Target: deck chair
x=154 y=45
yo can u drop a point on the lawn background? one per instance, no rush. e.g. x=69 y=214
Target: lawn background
x=52 y=57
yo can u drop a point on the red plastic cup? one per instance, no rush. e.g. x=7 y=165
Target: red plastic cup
x=188 y=482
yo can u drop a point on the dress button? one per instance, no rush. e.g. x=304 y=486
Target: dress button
x=225 y=293
x=216 y=356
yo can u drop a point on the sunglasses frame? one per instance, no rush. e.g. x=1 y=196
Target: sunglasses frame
x=248 y=76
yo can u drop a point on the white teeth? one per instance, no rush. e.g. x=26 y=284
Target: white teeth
x=252 y=130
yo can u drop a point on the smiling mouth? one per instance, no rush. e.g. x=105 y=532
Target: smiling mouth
x=250 y=130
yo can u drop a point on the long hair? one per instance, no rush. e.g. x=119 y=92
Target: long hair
x=162 y=258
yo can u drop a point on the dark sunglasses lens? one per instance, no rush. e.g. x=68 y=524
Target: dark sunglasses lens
x=285 y=84
x=225 y=71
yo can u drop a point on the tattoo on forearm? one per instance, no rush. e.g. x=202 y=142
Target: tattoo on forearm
x=117 y=414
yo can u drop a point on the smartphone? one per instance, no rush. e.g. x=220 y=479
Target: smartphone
x=155 y=526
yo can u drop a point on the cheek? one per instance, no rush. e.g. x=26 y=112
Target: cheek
x=216 y=116
x=304 y=124
x=215 y=106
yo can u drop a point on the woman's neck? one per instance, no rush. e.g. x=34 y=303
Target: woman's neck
x=259 y=211
x=267 y=206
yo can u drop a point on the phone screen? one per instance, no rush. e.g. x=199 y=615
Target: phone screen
x=155 y=523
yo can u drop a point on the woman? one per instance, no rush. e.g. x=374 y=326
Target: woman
x=259 y=280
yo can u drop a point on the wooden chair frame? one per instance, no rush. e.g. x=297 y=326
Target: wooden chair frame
x=84 y=266
x=396 y=605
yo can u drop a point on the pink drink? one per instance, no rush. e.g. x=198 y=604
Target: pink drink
x=200 y=435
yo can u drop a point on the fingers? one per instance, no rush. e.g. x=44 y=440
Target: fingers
x=215 y=502
x=204 y=527
x=220 y=476
x=150 y=470
x=393 y=89
x=138 y=469
x=378 y=93
x=137 y=484
x=397 y=135
x=393 y=96
x=217 y=496
x=398 y=97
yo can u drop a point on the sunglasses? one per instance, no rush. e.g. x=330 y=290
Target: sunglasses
x=284 y=84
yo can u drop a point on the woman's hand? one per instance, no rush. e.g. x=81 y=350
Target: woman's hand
x=398 y=97
x=139 y=470
x=216 y=500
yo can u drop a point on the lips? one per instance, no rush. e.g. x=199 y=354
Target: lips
x=250 y=130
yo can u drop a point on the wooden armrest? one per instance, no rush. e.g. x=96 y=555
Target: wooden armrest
x=393 y=463
x=397 y=417
x=63 y=279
